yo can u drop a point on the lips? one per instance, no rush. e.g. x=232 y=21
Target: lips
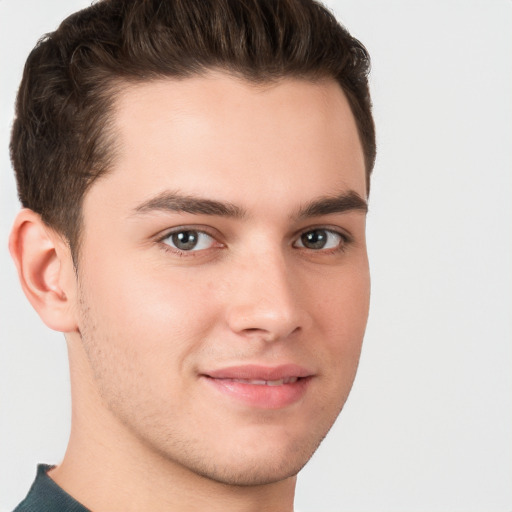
x=261 y=386
x=260 y=372
x=256 y=382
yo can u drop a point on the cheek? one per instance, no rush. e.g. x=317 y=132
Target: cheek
x=343 y=300
x=141 y=335
x=342 y=314
x=148 y=314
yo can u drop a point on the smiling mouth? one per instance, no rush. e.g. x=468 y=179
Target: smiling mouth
x=260 y=387
x=260 y=374
x=259 y=382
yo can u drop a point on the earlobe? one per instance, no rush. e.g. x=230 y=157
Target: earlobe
x=45 y=270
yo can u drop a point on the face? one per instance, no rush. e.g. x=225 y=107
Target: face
x=223 y=278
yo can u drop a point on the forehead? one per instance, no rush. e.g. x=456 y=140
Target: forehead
x=205 y=134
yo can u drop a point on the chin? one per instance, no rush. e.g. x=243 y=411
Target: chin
x=261 y=464
x=255 y=472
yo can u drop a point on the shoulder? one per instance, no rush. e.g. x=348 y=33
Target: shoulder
x=46 y=496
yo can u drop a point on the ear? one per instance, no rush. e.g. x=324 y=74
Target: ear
x=45 y=270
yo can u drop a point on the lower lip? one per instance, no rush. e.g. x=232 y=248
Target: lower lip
x=262 y=396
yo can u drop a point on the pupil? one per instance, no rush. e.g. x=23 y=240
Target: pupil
x=314 y=239
x=185 y=240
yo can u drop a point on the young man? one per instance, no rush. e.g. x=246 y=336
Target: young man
x=194 y=177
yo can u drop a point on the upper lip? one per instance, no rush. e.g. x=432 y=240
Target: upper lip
x=259 y=372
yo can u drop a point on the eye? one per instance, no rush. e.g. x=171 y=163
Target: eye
x=189 y=240
x=320 y=239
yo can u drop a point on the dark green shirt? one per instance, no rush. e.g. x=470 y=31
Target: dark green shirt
x=46 y=496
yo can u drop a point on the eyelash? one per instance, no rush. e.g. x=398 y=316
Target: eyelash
x=344 y=241
x=187 y=229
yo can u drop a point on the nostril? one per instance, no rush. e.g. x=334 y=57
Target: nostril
x=270 y=335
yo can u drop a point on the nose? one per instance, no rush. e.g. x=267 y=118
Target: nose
x=266 y=302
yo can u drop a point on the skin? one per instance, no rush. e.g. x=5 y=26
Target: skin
x=145 y=321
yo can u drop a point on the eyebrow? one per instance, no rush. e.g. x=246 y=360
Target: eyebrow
x=344 y=202
x=175 y=202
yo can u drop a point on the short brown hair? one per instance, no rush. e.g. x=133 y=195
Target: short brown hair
x=61 y=140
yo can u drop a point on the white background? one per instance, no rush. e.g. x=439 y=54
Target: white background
x=428 y=426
